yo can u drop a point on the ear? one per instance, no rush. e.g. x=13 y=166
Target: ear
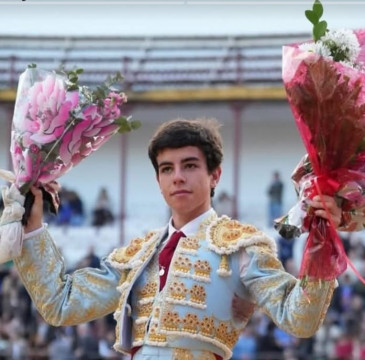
x=215 y=176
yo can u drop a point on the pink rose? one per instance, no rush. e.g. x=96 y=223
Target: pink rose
x=48 y=109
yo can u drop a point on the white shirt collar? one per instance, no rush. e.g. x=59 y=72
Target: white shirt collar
x=192 y=226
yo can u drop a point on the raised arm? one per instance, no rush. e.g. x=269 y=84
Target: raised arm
x=63 y=299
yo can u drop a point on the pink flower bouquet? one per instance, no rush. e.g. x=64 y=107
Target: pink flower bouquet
x=325 y=85
x=58 y=123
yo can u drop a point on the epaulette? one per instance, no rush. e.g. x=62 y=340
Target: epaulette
x=226 y=236
x=131 y=255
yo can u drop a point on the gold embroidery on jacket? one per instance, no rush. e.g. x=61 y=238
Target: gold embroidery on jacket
x=184 y=354
x=221 y=333
x=178 y=290
x=138 y=331
x=182 y=263
x=148 y=291
x=128 y=281
x=198 y=294
x=266 y=258
x=82 y=288
x=144 y=310
x=202 y=269
x=227 y=334
x=190 y=323
x=125 y=254
x=189 y=245
x=207 y=326
x=170 y=321
x=226 y=233
x=154 y=336
x=224 y=269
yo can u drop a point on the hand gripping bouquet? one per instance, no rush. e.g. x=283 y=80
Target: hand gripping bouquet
x=56 y=124
x=325 y=86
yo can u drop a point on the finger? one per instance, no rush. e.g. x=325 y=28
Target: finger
x=321 y=203
x=321 y=213
x=36 y=191
x=54 y=185
x=335 y=218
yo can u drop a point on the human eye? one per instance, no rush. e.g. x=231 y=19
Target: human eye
x=165 y=169
x=190 y=166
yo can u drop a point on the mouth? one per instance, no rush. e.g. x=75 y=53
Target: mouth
x=180 y=192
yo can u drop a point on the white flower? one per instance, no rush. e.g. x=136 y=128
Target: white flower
x=317 y=48
x=310 y=47
x=322 y=49
x=343 y=44
x=338 y=45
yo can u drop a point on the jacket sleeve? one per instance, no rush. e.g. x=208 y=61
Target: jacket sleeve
x=296 y=309
x=65 y=299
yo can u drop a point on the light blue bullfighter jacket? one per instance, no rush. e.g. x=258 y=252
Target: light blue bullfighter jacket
x=223 y=261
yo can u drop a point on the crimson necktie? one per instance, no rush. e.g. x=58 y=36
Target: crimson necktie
x=165 y=256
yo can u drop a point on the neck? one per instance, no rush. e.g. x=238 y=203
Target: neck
x=179 y=220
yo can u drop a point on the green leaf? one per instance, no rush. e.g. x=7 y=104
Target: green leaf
x=116 y=79
x=312 y=16
x=135 y=124
x=124 y=127
x=73 y=78
x=319 y=30
x=127 y=125
x=318 y=8
x=79 y=71
x=99 y=93
x=32 y=66
x=72 y=87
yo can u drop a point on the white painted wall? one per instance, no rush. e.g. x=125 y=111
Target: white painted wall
x=126 y=18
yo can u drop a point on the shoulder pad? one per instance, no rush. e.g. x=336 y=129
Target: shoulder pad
x=226 y=236
x=133 y=251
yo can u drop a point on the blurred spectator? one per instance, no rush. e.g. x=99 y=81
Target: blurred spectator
x=326 y=337
x=77 y=208
x=64 y=211
x=1 y=205
x=102 y=213
x=344 y=348
x=90 y=260
x=275 y=194
x=304 y=349
x=71 y=209
x=15 y=299
x=268 y=346
x=285 y=249
x=342 y=297
x=87 y=345
x=224 y=204
x=61 y=347
x=245 y=348
x=41 y=337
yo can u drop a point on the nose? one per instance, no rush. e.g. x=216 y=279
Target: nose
x=178 y=176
